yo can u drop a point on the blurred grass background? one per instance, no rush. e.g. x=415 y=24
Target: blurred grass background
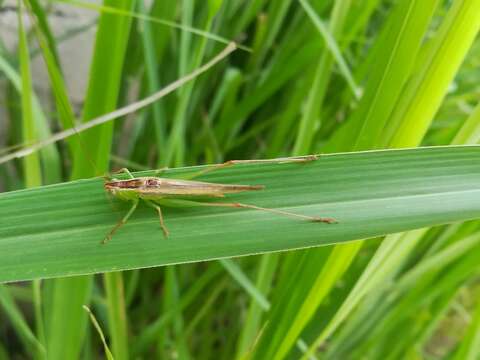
x=321 y=76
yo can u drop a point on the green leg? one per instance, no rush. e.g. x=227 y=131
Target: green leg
x=160 y=216
x=126 y=171
x=159 y=171
x=236 y=205
x=303 y=159
x=120 y=223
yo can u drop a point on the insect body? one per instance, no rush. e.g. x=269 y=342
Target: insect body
x=157 y=191
x=151 y=188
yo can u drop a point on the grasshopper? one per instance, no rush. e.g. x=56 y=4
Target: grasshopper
x=156 y=192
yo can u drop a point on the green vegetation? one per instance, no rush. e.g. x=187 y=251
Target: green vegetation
x=337 y=78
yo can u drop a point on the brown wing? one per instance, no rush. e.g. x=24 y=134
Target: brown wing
x=173 y=187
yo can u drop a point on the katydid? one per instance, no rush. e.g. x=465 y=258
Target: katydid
x=157 y=191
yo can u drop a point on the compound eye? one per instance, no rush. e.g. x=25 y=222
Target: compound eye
x=151 y=182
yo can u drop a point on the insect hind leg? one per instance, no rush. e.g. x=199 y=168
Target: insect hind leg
x=299 y=159
x=236 y=205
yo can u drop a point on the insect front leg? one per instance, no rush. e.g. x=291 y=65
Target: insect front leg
x=160 y=215
x=121 y=222
x=126 y=171
x=159 y=171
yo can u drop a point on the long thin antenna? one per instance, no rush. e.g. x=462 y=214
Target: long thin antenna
x=122 y=111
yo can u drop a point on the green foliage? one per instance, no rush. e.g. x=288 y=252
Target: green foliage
x=411 y=197
x=309 y=77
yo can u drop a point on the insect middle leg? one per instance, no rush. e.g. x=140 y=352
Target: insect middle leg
x=121 y=222
x=160 y=215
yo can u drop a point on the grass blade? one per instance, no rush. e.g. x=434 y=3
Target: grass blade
x=19 y=322
x=412 y=188
x=120 y=112
x=31 y=163
x=441 y=61
x=332 y=47
x=323 y=72
x=116 y=11
x=95 y=323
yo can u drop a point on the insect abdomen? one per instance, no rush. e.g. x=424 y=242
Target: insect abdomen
x=238 y=188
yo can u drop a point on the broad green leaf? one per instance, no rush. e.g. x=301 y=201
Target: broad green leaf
x=56 y=230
